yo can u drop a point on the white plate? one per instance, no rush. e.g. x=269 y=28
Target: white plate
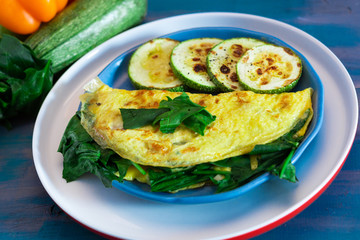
x=117 y=214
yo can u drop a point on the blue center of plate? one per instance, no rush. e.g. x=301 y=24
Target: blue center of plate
x=116 y=75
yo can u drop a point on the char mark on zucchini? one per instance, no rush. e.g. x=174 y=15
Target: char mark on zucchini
x=221 y=61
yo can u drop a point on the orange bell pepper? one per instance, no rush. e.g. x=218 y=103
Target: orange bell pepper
x=25 y=16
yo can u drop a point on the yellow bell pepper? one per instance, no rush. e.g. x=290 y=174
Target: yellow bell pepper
x=25 y=16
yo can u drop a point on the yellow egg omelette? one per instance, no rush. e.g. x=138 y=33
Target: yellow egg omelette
x=243 y=119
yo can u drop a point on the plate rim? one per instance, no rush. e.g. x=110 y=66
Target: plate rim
x=267 y=226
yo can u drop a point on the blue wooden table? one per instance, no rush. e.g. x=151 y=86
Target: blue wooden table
x=27 y=211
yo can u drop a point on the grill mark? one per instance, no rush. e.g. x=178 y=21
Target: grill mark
x=224 y=69
x=288 y=51
x=237 y=50
x=234 y=77
x=199 y=68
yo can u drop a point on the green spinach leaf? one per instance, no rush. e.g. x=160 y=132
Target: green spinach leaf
x=165 y=180
x=180 y=107
x=286 y=170
x=83 y=155
x=24 y=79
x=170 y=114
x=135 y=118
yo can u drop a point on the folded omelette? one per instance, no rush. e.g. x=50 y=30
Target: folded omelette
x=243 y=120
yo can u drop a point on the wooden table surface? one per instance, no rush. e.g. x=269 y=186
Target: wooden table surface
x=27 y=211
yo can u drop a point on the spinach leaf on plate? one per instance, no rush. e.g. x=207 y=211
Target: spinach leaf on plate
x=83 y=155
x=135 y=118
x=233 y=172
x=170 y=114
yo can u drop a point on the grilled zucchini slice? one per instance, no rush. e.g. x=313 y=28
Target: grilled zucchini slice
x=188 y=61
x=269 y=69
x=149 y=66
x=221 y=61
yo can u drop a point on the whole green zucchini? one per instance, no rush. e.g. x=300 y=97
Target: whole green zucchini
x=82 y=26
